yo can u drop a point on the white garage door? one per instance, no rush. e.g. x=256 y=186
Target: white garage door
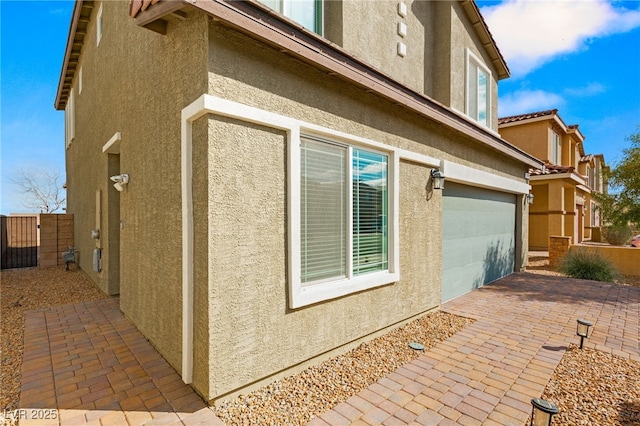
x=478 y=238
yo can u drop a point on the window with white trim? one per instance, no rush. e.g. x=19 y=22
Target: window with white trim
x=70 y=119
x=307 y=13
x=556 y=148
x=346 y=232
x=478 y=90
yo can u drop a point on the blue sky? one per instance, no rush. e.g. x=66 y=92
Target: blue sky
x=579 y=56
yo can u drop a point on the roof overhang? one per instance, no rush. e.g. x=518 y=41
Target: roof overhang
x=259 y=22
x=573 y=177
x=482 y=30
x=553 y=118
x=77 y=32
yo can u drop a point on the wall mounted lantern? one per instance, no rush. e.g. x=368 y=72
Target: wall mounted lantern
x=542 y=412
x=121 y=181
x=583 y=330
x=437 y=179
x=530 y=198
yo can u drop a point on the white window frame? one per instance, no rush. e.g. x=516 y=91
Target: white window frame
x=80 y=80
x=99 y=25
x=473 y=61
x=310 y=293
x=70 y=119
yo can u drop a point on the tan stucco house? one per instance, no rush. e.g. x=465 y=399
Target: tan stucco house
x=563 y=189
x=274 y=202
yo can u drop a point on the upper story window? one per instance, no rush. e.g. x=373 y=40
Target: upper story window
x=556 y=148
x=591 y=177
x=307 y=13
x=344 y=233
x=478 y=90
x=99 y=25
x=70 y=118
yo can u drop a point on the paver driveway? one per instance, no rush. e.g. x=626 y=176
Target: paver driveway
x=88 y=361
x=489 y=372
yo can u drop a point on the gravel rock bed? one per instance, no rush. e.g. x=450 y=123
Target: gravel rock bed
x=595 y=388
x=31 y=289
x=297 y=399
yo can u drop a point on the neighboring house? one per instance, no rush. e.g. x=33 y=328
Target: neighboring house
x=279 y=207
x=563 y=190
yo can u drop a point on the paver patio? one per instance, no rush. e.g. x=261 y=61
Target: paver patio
x=89 y=362
x=489 y=372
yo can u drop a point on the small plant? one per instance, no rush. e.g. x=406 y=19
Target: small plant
x=587 y=265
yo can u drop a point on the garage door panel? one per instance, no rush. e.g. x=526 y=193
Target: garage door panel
x=478 y=244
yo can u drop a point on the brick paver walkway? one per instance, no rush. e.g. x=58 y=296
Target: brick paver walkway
x=488 y=373
x=88 y=361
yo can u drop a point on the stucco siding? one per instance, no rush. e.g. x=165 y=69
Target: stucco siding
x=128 y=89
x=371 y=34
x=533 y=138
x=253 y=334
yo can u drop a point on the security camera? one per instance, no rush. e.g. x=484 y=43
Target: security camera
x=120 y=181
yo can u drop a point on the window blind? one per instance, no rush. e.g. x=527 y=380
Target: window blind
x=323 y=211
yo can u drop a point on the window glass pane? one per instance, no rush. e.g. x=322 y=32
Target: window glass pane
x=305 y=12
x=483 y=108
x=369 y=212
x=472 y=91
x=273 y=4
x=323 y=211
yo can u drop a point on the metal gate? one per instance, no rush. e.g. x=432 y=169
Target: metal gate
x=19 y=236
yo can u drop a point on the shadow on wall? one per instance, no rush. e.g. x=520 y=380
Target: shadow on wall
x=498 y=262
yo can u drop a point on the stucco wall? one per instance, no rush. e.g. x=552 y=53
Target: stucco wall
x=128 y=89
x=539 y=218
x=252 y=332
x=370 y=33
x=530 y=137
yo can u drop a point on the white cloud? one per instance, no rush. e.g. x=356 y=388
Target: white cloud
x=590 y=89
x=529 y=33
x=525 y=101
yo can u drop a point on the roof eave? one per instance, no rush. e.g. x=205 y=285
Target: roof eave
x=488 y=42
x=73 y=39
x=258 y=22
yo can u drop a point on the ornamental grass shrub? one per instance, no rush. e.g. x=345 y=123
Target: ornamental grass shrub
x=588 y=265
x=616 y=235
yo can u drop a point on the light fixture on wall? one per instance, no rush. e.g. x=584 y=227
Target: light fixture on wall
x=542 y=412
x=583 y=330
x=121 y=181
x=530 y=198
x=437 y=179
